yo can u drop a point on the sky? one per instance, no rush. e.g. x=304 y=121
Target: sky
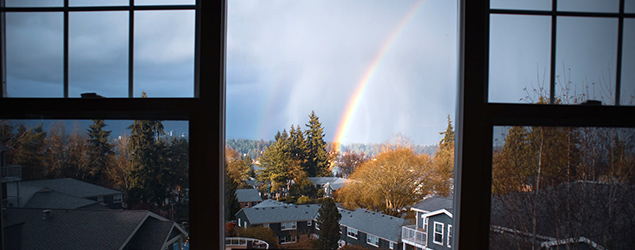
x=369 y=69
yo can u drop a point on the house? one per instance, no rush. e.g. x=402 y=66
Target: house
x=26 y=229
x=328 y=184
x=288 y=222
x=11 y=176
x=370 y=229
x=66 y=193
x=248 y=197
x=433 y=225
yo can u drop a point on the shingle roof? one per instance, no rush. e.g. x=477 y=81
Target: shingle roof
x=51 y=199
x=378 y=224
x=334 y=182
x=270 y=203
x=273 y=214
x=75 y=229
x=435 y=203
x=247 y=195
x=151 y=235
x=72 y=187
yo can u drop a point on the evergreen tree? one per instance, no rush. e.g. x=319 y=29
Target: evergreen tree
x=444 y=162
x=317 y=163
x=328 y=221
x=99 y=151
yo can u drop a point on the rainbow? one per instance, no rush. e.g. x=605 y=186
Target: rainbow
x=353 y=102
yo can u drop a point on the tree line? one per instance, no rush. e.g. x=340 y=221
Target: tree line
x=149 y=168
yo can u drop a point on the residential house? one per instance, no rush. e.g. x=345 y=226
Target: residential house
x=108 y=229
x=11 y=176
x=370 y=229
x=66 y=193
x=248 y=197
x=289 y=222
x=433 y=225
x=328 y=184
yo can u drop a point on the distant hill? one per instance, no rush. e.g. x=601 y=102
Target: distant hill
x=255 y=148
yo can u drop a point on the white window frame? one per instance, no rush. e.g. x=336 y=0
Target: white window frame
x=308 y=223
x=290 y=225
x=317 y=226
x=449 y=236
x=239 y=221
x=391 y=245
x=100 y=199
x=341 y=243
x=265 y=225
x=434 y=235
x=293 y=239
x=245 y=224
x=368 y=236
x=118 y=198
x=349 y=232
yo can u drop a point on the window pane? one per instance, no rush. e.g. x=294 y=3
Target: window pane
x=628 y=64
x=563 y=187
x=521 y=4
x=99 y=2
x=98 y=53
x=629 y=6
x=585 y=60
x=34 y=3
x=589 y=5
x=164 y=53
x=519 y=58
x=85 y=177
x=34 y=54
x=163 y=2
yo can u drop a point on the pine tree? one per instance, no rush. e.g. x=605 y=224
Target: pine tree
x=100 y=151
x=444 y=162
x=328 y=221
x=30 y=152
x=317 y=157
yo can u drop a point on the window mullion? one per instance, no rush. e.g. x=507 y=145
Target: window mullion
x=618 y=71
x=66 y=49
x=131 y=49
x=554 y=31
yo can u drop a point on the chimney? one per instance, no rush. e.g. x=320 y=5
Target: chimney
x=47 y=214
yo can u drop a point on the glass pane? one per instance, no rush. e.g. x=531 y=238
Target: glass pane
x=521 y=4
x=94 y=178
x=353 y=83
x=164 y=53
x=519 y=58
x=98 y=53
x=34 y=54
x=34 y=3
x=99 y=2
x=629 y=6
x=589 y=5
x=163 y=2
x=628 y=63
x=563 y=188
x=585 y=59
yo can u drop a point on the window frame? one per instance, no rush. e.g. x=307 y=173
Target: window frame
x=348 y=232
x=309 y=223
x=476 y=119
x=449 y=237
x=368 y=236
x=294 y=225
x=205 y=113
x=435 y=232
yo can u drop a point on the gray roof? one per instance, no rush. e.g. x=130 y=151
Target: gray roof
x=51 y=199
x=75 y=229
x=72 y=187
x=247 y=195
x=435 y=203
x=273 y=214
x=375 y=223
x=334 y=182
x=270 y=203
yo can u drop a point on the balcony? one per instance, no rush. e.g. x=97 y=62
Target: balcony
x=412 y=236
x=245 y=243
x=11 y=173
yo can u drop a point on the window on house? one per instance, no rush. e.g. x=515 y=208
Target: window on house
x=351 y=232
x=308 y=223
x=118 y=198
x=372 y=240
x=317 y=226
x=391 y=245
x=100 y=199
x=341 y=243
x=287 y=239
x=289 y=225
x=265 y=225
x=449 y=235
x=438 y=233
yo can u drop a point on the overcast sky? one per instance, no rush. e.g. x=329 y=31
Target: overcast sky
x=286 y=58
